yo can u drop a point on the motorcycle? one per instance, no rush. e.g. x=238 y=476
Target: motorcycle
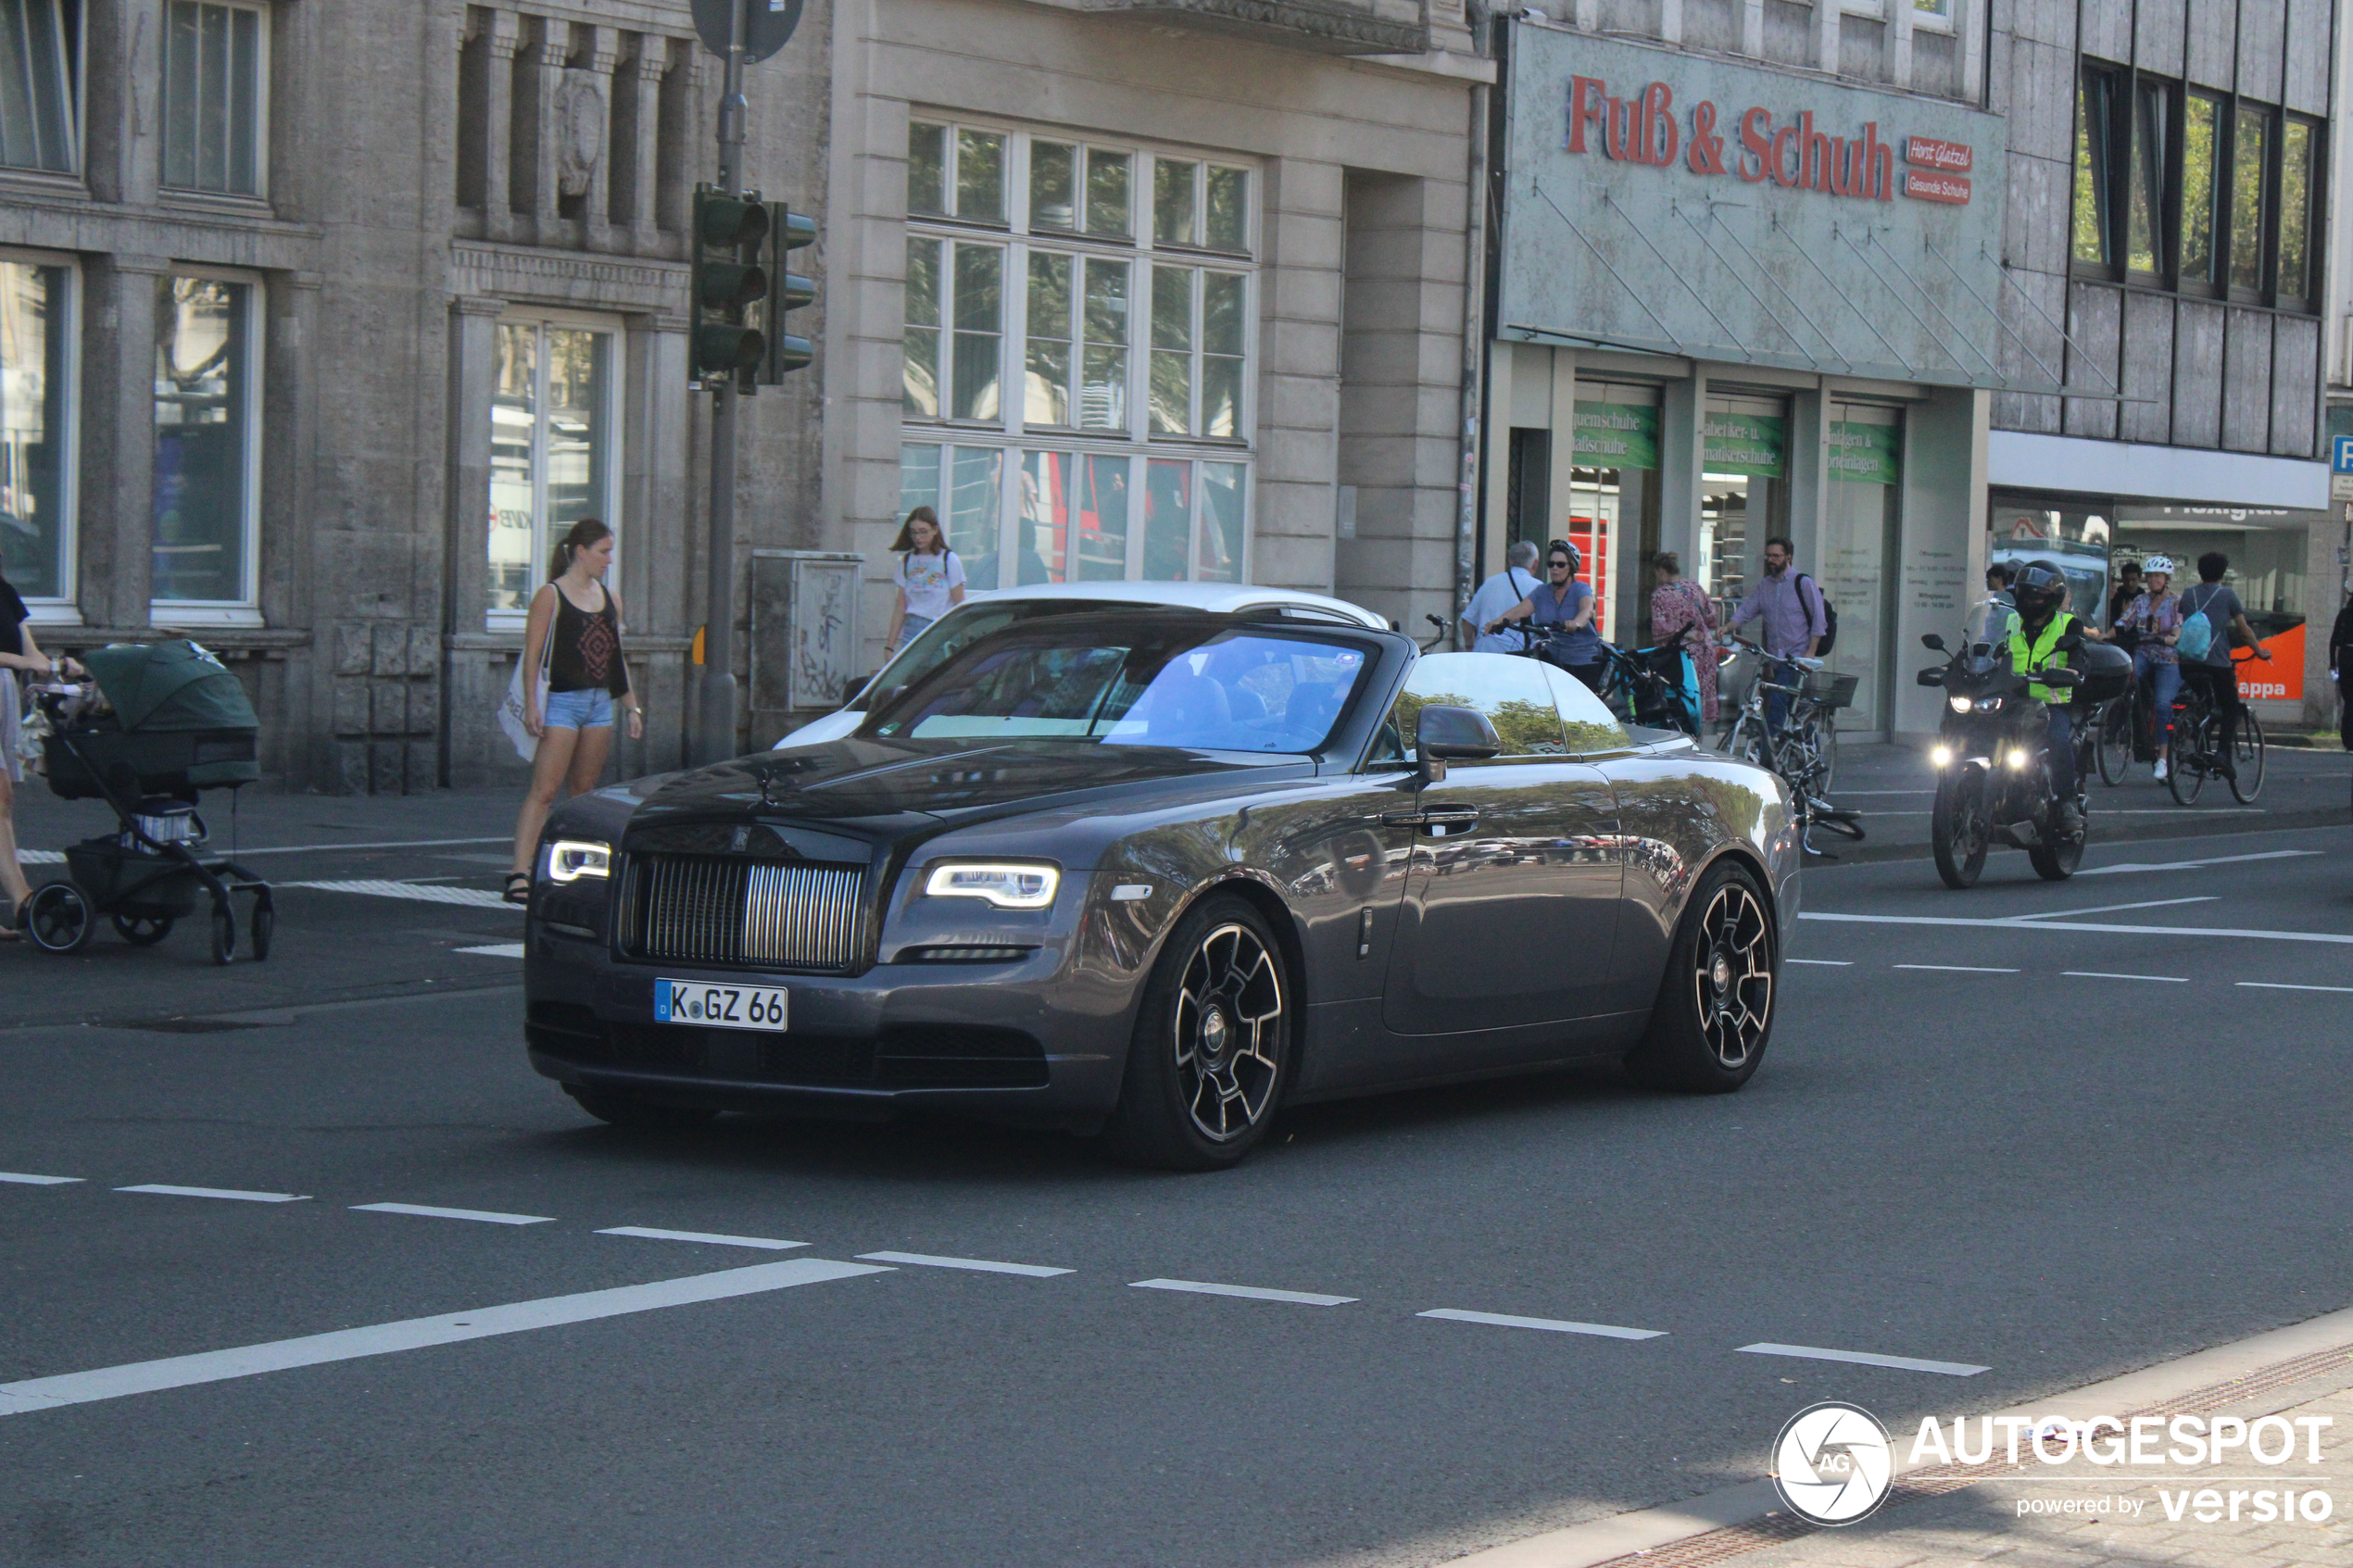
x=1993 y=753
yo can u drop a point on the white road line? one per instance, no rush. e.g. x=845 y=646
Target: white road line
x=41 y=857
x=1253 y=1292
x=1864 y=1358
x=1958 y=968
x=2283 y=985
x=2097 y=974
x=1826 y=963
x=1555 y=1325
x=23 y=1179
x=429 y=1212
x=473 y=897
x=496 y=949
x=218 y=1192
x=2111 y=909
x=650 y=1233
x=979 y=1265
x=2012 y=923
x=2192 y=865
x=412 y=1333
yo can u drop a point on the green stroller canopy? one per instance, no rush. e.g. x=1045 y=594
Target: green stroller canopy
x=174 y=685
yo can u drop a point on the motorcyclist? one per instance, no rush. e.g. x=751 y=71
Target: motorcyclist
x=2040 y=591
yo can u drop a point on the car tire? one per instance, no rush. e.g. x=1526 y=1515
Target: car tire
x=635 y=1113
x=1714 y=1016
x=1211 y=1055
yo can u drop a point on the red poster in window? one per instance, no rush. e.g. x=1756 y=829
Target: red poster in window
x=1592 y=538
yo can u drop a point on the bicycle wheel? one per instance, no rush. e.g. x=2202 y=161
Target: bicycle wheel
x=1826 y=740
x=2113 y=740
x=1748 y=741
x=2247 y=757
x=2192 y=744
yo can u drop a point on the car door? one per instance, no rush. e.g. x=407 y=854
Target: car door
x=1510 y=907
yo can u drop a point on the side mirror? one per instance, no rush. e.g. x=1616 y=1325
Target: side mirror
x=1448 y=734
x=1932 y=640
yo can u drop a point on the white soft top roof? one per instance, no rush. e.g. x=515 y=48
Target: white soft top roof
x=1215 y=598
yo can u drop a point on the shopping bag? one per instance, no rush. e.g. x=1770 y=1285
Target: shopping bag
x=513 y=717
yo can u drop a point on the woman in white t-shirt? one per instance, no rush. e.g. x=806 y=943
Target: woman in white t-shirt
x=929 y=576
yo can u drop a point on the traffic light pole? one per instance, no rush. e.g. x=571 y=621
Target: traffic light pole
x=715 y=716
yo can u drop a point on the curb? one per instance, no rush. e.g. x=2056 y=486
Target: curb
x=1736 y=1520
x=2188 y=825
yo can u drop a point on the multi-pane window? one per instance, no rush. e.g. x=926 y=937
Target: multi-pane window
x=1079 y=325
x=215 y=96
x=2179 y=188
x=208 y=446
x=36 y=324
x=38 y=78
x=554 y=455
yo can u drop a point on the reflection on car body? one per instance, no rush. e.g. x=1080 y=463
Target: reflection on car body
x=1154 y=871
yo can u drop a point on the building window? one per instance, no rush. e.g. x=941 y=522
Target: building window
x=1936 y=16
x=2201 y=186
x=2250 y=136
x=39 y=75
x=2298 y=142
x=207 y=444
x=2144 y=215
x=36 y=424
x=2096 y=138
x=555 y=455
x=215 y=96
x=1123 y=450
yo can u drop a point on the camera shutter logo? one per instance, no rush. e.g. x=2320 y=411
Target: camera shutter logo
x=1832 y=1463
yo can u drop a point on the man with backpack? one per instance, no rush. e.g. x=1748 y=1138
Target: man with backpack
x=1798 y=622
x=2205 y=650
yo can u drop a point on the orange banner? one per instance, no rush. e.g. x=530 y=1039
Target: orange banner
x=2279 y=681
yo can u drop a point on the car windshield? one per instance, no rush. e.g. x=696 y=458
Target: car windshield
x=1136 y=680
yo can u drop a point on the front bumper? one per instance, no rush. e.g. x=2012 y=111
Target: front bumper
x=1024 y=1042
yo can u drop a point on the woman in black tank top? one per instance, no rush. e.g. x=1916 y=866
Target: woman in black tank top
x=575 y=634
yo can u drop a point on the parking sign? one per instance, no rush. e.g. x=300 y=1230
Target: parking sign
x=2341 y=454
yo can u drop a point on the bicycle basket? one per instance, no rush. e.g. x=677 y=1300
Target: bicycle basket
x=1826 y=688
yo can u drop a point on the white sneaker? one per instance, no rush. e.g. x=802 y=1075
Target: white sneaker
x=2160 y=772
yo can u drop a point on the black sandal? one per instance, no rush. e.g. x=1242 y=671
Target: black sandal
x=518 y=887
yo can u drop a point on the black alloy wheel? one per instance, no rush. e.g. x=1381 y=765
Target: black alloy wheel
x=143 y=931
x=1212 y=1047
x=1957 y=830
x=2247 y=755
x=635 y=1113
x=1713 y=1015
x=58 y=916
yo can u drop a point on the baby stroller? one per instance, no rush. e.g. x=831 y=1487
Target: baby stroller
x=173 y=722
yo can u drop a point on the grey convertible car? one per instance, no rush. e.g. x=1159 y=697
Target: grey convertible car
x=1153 y=871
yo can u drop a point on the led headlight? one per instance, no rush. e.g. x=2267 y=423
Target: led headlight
x=1008 y=885
x=1958 y=704
x=2017 y=760
x=569 y=860
x=1941 y=756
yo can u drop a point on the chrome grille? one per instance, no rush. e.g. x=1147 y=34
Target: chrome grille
x=725 y=912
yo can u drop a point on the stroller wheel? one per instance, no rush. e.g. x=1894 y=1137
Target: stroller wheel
x=58 y=918
x=224 y=935
x=142 y=931
x=264 y=923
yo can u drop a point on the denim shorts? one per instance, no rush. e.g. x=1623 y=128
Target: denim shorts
x=579 y=710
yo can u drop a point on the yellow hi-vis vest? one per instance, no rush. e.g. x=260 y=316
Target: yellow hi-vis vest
x=2023 y=658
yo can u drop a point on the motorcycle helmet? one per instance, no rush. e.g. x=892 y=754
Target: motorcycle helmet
x=2158 y=563
x=1576 y=555
x=2038 y=589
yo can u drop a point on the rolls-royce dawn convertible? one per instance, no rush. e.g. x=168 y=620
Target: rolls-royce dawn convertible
x=1151 y=870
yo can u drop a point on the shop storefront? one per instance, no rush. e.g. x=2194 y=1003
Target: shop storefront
x=1731 y=309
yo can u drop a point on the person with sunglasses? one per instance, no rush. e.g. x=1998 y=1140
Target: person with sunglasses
x=1564 y=606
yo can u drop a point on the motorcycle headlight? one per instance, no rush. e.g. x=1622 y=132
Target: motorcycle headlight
x=1006 y=884
x=2017 y=760
x=569 y=860
x=1941 y=756
x=1958 y=704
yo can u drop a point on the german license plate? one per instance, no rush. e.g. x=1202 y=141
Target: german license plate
x=719 y=1006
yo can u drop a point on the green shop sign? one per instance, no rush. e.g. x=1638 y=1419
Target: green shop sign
x=1617 y=435
x=1747 y=443
x=1867 y=453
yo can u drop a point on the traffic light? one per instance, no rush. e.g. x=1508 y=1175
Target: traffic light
x=728 y=283
x=786 y=291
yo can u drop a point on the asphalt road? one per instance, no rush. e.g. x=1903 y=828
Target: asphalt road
x=2055 y=1148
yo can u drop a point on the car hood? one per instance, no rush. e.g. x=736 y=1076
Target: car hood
x=865 y=778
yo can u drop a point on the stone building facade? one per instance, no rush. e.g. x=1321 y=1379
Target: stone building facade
x=320 y=319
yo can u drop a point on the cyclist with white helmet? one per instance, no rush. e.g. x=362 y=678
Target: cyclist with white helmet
x=2153 y=621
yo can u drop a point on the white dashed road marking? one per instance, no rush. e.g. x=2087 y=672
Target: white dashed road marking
x=496 y=949
x=979 y=1265
x=429 y=1212
x=2193 y=865
x=1958 y=968
x=2095 y=975
x=412 y=1333
x=1864 y=1358
x=2012 y=922
x=1556 y=1325
x=2283 y=985
x=23 y=1179
x=650 y=1233
x=2111 y=909
x=1253 y=1292
x=1826 y=963
x=473 y=897
x=218 y=1192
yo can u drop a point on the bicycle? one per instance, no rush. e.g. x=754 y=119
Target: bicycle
x=1804 y=751
x=2197 y=748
